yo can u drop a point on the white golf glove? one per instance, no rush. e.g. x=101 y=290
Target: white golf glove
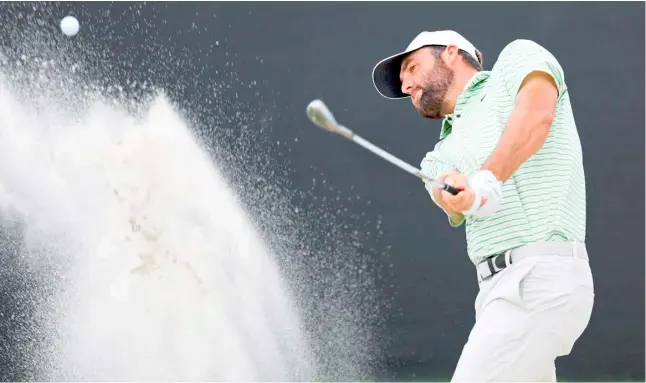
x=484 y=184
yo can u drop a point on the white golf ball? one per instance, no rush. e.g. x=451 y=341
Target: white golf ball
x=69 y=25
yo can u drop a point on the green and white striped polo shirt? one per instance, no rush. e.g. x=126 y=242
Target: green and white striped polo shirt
x=545 y=199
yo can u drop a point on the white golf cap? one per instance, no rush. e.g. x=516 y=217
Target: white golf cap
x=385 y=75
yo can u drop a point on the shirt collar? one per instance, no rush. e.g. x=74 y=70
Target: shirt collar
x=447 y=123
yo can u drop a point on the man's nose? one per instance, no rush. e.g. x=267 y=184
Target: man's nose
x=407 y=86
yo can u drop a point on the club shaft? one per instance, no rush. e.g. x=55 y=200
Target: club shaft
x=387 y=156
x=394 y=160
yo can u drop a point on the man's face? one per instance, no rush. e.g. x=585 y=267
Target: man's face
x=426 y=78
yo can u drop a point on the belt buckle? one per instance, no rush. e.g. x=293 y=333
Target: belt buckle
x=492 y=267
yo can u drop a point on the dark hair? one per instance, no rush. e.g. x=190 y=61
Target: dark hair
x=473 y=62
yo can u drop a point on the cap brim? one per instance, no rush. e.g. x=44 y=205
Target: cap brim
x=385 y=76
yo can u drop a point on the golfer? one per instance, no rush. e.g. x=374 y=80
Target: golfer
x=509 y=143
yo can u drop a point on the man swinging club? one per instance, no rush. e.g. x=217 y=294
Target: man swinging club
x=509 y=143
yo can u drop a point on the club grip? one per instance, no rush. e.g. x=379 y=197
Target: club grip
x=451 y=189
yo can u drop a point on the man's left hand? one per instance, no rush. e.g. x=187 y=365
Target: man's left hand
x=464 y=199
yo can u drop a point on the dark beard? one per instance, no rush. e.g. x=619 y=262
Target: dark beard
x=434 y=92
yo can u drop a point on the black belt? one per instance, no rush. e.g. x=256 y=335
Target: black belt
x=498 y=262
x=493 y=265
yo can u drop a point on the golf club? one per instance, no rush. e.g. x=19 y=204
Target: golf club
x=320 y=115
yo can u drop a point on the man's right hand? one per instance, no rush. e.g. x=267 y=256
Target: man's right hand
x=438 y=196
x=449 y=177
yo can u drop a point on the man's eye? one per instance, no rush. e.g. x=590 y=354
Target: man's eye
x=412 y=68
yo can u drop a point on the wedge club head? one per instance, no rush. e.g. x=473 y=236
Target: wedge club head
x=320 y=115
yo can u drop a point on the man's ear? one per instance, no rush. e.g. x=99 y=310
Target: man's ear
x=450 y=54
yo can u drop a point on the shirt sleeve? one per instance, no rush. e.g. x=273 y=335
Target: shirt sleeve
x=433 y=165
x=522 y=57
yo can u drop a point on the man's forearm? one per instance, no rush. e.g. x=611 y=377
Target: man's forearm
x=523 y=136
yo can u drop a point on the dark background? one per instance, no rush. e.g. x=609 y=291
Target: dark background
x=274 y=58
